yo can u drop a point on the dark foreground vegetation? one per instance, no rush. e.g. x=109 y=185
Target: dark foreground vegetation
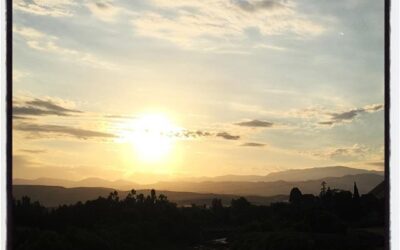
x=335 y=219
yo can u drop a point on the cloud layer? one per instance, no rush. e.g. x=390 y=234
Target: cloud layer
x=343 y=153
x=218 y=25
x=228 y=136
x=42 y=42
x=40 y=129
x=41 y=107
x=347 y=116
x=253 y=144
x=255 y=124
x=54 y=8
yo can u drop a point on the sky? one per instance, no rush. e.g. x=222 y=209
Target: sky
x=158 y=89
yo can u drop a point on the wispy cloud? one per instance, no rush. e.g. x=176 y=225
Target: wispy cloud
x=19 y=75
x=40 y=129
x=202 y=134
x=354 y=152
x=119 y=116
x=192 y=134
x=17 y=117
x=328 y=117
x=255 y=124
x=104 y=10
x=40 y=41
x=326 y=123
x=347 y=116
x=186 y=134
x=34 y=151
x=377 y=163
x=269 y=46
x=41 y=107
x=253 y=6
x=228 y=136
x=31 y=167
x=54 y=8
x=50 y=105
x=253 y=144
x=207 y=25
x=31 y=111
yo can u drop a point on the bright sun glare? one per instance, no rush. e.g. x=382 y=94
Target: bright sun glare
x=152 y=137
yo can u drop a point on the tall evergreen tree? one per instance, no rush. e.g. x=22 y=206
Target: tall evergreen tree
x=323 y=189
x=356 y=194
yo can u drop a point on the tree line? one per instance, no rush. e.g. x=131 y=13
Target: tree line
x=335 y=219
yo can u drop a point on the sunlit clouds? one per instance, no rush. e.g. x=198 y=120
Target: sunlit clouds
x=221 y=25
x=54 y=8
x=50 y=44
x=195 y=88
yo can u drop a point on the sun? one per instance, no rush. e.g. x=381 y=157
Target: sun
x=152 y=136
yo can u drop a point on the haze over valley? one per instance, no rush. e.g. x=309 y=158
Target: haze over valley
x=258 y=189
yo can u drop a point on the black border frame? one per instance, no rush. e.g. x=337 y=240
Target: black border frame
x=387 y=123
x=9 y=122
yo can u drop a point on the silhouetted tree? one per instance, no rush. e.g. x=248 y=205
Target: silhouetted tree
x=153 y=195
x=140 y=198
x=329 y=193
x=132 y=193
x=356 y=195
x=216 y=204
x=295 y=196
x=26 y=201
x=162 y=198
x=240 y=203
x=113 y=196
x=240 y=210
x=152 y=222
x=323 y=189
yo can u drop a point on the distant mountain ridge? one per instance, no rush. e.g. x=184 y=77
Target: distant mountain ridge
x=88 y=182
x=318 y=173
x=287 y=175
x=293 y=174
x=186 y=193
x=366 y=180
x=365 y=183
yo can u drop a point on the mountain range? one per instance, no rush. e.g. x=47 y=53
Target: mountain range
x=292 y=175
x=136 y=181
x=274 y=184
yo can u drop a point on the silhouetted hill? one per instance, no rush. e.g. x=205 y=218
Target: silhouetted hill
x=88 y=182
x=291 y=175
x=44 y=181
x=317 y=173
x=136 y=180
x=52 y=196
x=379 y=191
x=365 y=183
